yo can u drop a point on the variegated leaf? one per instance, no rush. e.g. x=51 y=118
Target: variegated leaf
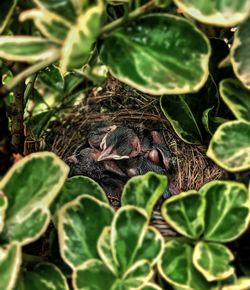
x=3 y=207
x=227 y=210
x=240 y=53
x=158 y=54
x=80 y=39
x=76 y=186
x=44 y=276
x=30 y=186
x=185 y=213
x=27 y=48
x=51 y=25
x=151 y=286
x=52 y=78
x=127 y=232
x=240 y=284
x=221 y=13
x=63 y=8
x=10 y=261
x=7 y=8
x=176 y=267
x=213 y=260
x=230 y=146
x=80 y=223
x=93 y=274
x=237 y=98
x=144 y=191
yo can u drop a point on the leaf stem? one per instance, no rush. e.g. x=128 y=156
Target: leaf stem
x=134 y=14
x=26 y=73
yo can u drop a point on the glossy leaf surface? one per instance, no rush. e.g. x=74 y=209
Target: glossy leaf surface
x=144 y=191
x=230 y=146
x=237 y=98
x=52 y=78
x=227 y=210
x=30 y=186
x=10 y=261
x=77 y=236
x=158 y=54
x=185 y=213
x=176 y=267
x=213 y=261
x=222 y=13
x=26 y=48
x=240 y=53
x=44 y=276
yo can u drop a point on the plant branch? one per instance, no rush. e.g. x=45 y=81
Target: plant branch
x=26 y=73
x=134 y=14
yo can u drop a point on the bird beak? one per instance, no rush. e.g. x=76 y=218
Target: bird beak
x=107 y=155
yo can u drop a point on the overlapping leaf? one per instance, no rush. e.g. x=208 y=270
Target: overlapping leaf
x=144 y=191
x=27 y=48
x=176 y=267
x=227 y=210
x=44 y=276
x=240 y=53
x=10 y=261
x=213 y=260
x=222 y=13
x=237 y=98
x=80 y=223
x=52 y=78
x=185 y=213
x=230 y=146
x=30 y=186
x=158 y=54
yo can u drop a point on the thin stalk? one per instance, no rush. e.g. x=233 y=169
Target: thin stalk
x=132 y=15
x=26 y=73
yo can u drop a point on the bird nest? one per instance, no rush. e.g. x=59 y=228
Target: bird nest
x=119 y=104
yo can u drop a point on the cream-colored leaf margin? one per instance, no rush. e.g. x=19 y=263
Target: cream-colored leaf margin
x=40 y=16
x=217 y=136
x=17 y=262
x=217 y=18
x=62 y=220
x=240 y=284
x=161 y=89
x=143 y=278
x=206 y=273
x=52 y=52
x=3 y=211
x=229 y=184
x=152 y=286
x=180 y=196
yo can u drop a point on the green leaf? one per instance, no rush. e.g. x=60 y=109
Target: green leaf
x=230 y=146
x=176 y=267
x=210 y=122
x=213 y=261
x=227 y=210
x=10 y=261
x=7 y=9
x=79 y=41
x=242 y=283
x=80 y=223
x=93 y=274
x=144 y=191
x=151 y=286
x=30 y=186
x=27 y=48
x=51 y=25
x=44 y=276
x=127 y=231
x=240 y=53
x=237 y=98
x=184 y=112
x=221 y=13
x=39 y=123
x=185 y=213
x=52 y=78
x=3 y=207
x=158 y=54
x=76 y=186
x=63 y=8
